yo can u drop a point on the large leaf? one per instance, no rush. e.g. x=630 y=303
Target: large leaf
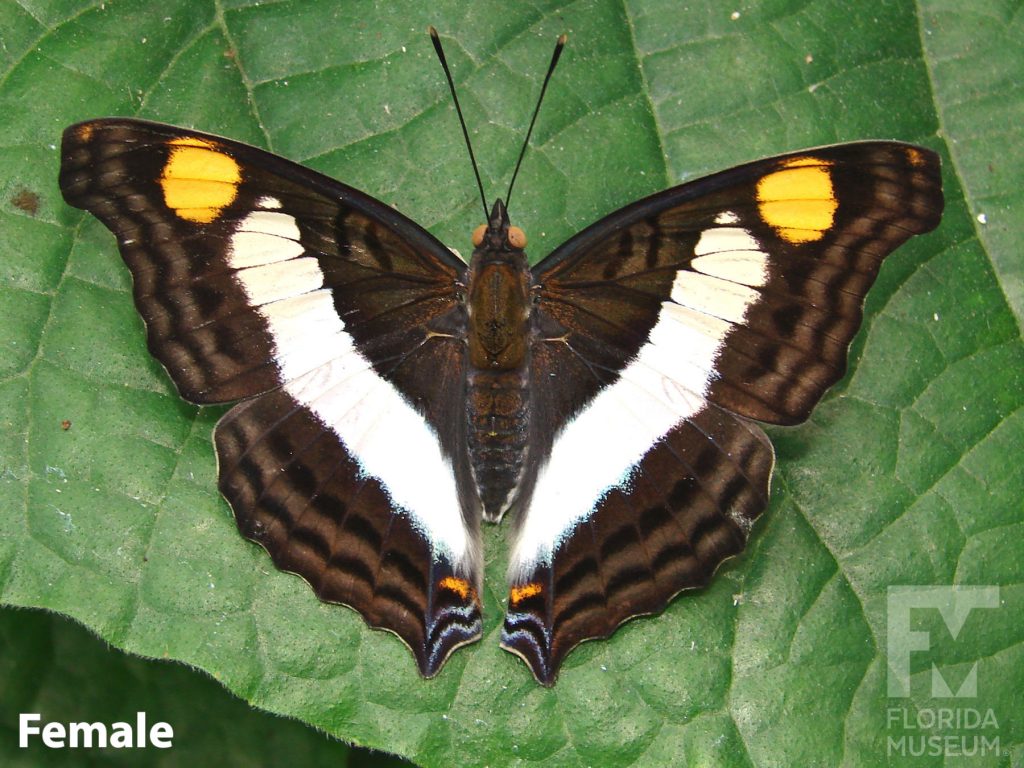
x=908 y=473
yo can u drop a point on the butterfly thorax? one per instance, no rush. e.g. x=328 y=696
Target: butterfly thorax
x=498 y=309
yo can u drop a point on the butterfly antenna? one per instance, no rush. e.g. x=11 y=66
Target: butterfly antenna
x=451 y=85
x=529 y=131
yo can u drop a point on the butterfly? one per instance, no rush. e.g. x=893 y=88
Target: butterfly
x=391 y=396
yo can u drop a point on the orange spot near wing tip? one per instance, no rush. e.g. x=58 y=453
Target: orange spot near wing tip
x=461 y=587
x=518 y=594
x=799 y=199
x=199 y=179
x=916 y=157
x=84 y=132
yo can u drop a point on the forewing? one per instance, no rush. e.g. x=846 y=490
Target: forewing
x=258 y=278
x=659 y=331
x=768 y=264
x=232 y=250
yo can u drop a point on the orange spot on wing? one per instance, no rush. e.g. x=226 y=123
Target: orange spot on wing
x=199 y=180
x=460 y=586
x=798 y=201
x=518 y=594
x=916 y=157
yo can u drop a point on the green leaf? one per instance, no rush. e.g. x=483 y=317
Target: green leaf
x=908 y=473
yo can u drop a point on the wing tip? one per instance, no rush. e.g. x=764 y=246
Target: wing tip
x=544 y=669
x=431 y=658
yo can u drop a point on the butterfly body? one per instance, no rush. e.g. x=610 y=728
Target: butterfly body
x=498 y=339
x=392 y=395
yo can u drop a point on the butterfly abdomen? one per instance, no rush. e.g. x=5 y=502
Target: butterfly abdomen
x=499 y=420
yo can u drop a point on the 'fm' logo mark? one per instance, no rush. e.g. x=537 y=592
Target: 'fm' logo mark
x=954 y=604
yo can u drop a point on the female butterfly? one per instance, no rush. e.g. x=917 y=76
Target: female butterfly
x=392 y=395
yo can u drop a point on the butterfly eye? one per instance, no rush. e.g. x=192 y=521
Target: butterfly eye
x=478 y=234
x=516 y=237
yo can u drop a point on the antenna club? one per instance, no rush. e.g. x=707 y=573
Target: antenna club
x=432 y=31
x=562 y=39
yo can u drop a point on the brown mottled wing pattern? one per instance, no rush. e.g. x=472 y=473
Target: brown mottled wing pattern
x=305 y=499
x=732 y=297
x=688 y=507
x=258 y=278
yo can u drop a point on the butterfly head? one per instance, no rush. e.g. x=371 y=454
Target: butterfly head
x=497 y=234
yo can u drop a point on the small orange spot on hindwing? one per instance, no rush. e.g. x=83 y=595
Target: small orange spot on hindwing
x=518 y=594
x=460 y=586
x=199 y=180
